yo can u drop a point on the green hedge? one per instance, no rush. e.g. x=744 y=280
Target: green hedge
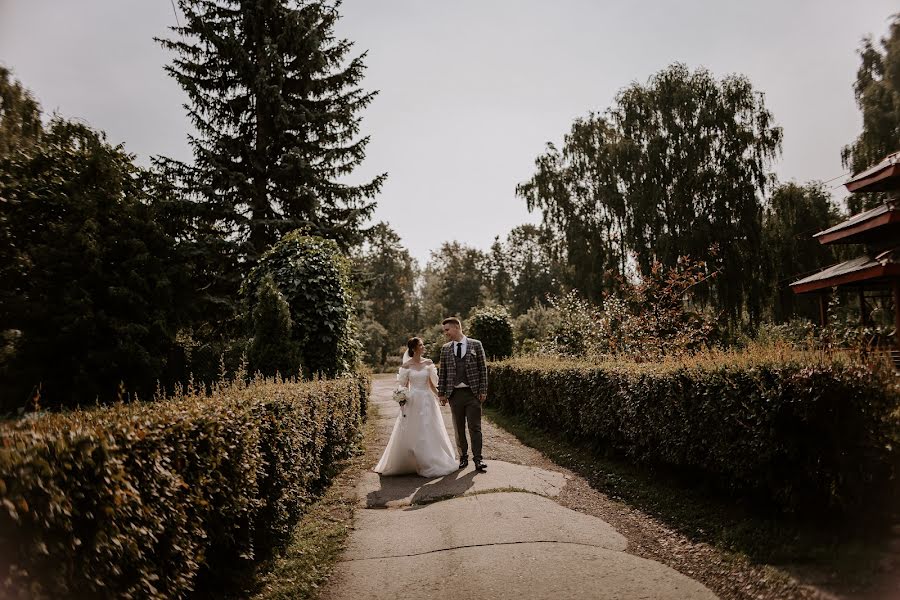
x=152 y=499
x=799 y=432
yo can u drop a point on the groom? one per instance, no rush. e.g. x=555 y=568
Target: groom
x=463 y=381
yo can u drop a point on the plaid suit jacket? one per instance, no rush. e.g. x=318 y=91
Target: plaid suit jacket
x=476 y=368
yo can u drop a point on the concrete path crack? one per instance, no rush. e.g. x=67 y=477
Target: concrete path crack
x=350 y=560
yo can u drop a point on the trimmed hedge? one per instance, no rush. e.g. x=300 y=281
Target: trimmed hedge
x=797 y=432
x=147 y=500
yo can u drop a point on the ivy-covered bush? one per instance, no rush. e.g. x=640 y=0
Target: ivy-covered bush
x=791 y=428
x=313 y=276
x=151 y=499
x=493 y=327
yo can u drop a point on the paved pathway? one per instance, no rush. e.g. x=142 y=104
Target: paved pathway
x=487 y=535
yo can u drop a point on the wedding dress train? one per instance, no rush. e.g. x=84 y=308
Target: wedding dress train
x=419 y=442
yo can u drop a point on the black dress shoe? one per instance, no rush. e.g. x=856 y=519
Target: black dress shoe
x=480 y=466
x=463 y=463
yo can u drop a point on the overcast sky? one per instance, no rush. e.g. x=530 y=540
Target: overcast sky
x=471 y=90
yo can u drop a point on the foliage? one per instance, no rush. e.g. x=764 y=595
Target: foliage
x=275 y=99
x=843 y=330
x=90 y=280
x=796 y=333
x=455 y=281
x=793 y=215
x=492 y=326
x=794 y=429
x=535 y=266
x=148 y=500
x=877 y=90
x=387 y=275
x=432 y=307
x=517 y=273
x=272 y=349
x=655 y=318
x=313 y=276
x=674 y=168
x=20 y=116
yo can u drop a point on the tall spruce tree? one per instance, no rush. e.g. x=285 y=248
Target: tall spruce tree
x=275 y=101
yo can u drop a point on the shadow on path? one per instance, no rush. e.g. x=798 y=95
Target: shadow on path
x=414 y=489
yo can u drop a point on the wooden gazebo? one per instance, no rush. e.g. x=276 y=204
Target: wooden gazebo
x=877 y=269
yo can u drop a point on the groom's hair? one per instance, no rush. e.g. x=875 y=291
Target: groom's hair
x=452 y=321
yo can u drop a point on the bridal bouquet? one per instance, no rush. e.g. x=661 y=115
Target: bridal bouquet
x=401 y=395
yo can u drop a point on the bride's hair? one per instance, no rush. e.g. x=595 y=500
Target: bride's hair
x=412 y=344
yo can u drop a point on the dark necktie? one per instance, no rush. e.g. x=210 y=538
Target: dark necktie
x=458 y=350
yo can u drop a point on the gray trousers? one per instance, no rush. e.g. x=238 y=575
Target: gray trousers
x=464 y=406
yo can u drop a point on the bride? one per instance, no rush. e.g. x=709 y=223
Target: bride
x=419 y=442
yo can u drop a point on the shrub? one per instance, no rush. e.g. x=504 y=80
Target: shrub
x=492 y=326
x=533 y=327
x=373 y=339
x=650 y=319
x=797 y=430
x=272 y=349
x=313 y=275
x=573 y=332
x=148 y=499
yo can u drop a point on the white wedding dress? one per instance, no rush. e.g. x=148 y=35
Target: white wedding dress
x=419 y=442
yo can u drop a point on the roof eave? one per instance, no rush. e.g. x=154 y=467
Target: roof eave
x=868 y=181
x=887 y=218
x=870 y=273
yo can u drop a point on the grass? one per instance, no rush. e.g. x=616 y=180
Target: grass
x=318 y=539
x=844 y=553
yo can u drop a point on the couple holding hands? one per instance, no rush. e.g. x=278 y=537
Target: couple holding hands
x=420 y=444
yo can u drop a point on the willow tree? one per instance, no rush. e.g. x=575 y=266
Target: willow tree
x=694 y=163
x=275 y=100
x=877 y=91
x=676 y=167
